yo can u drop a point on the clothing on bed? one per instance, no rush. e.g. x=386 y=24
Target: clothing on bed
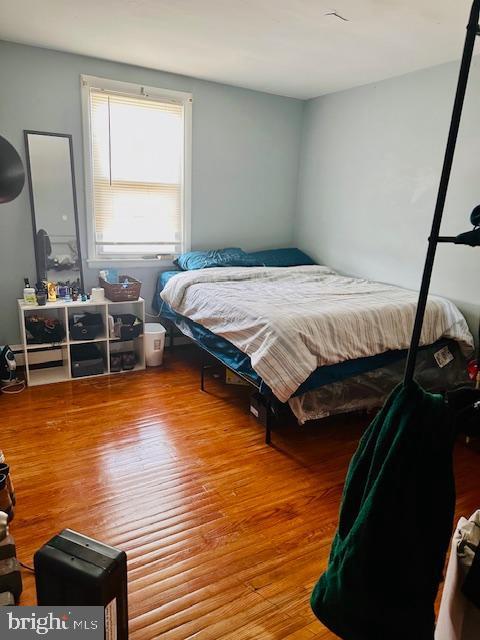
x=290 y=321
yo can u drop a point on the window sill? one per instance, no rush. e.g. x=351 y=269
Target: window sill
x=155 y=263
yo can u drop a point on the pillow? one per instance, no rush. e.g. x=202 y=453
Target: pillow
x=290 y=257
x=230 y=257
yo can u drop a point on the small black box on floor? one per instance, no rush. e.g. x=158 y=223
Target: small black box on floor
x=258 y=408
x=72 y=569
x=87 y=360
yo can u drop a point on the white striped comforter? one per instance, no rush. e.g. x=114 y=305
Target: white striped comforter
x=292 y=320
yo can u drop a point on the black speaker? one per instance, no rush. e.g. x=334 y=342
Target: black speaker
x=72 y=569
x=12 y=175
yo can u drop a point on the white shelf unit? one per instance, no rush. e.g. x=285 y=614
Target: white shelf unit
x=41 y=371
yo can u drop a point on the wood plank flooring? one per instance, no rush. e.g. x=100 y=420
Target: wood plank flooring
x=225 y=536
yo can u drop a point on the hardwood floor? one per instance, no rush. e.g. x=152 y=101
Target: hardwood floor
x=225 y=536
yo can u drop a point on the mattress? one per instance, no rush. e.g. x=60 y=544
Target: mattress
x=239 y=362
x=293 y=321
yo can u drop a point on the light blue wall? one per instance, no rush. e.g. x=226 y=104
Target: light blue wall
x=245 y=158
x=370 y=160
x=370 y=165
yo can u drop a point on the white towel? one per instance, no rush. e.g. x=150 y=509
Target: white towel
x=459 y=619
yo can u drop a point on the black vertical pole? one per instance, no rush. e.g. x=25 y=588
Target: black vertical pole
x=472 y=32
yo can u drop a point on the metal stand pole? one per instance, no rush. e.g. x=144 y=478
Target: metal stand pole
x=472 y=32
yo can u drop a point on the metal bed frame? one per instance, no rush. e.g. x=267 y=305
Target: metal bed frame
x=270 y=404
x=266 y=408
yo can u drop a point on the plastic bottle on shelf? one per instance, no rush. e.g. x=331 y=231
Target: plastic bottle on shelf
x=29 y=296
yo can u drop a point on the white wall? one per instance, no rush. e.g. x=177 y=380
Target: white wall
x=370 y=164
x=245 y=159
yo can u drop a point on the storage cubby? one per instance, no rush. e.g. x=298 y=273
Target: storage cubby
x=88 y=360
x=135 y=346
x=81 y=334
x=28 y=324
x=55 y=369
x=47 y=362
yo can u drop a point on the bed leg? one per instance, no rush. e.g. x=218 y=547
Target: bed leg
x=269 y=420
x=262 y=409
x=268 y=432
x=202 y=377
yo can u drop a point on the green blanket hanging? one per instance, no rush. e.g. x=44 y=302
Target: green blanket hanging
x=395 y=524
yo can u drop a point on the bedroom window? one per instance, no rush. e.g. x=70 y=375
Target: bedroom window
x=137 y=149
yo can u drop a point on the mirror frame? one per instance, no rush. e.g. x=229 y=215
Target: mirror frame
x=26 y=133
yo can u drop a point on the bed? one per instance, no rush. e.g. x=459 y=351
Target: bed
x=305 y=335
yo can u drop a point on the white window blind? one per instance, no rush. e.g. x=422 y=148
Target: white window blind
x=137 y=174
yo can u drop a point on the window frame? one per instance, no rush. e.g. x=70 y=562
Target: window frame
x=86 y=83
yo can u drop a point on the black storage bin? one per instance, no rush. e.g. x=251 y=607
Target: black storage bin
x=88 y=326
x=127 y=326
x=115 y=362
x=42 y=329
x=87 y=360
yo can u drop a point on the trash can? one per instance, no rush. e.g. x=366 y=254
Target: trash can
x=154 y=343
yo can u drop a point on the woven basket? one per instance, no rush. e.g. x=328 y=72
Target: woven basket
x=120 y=292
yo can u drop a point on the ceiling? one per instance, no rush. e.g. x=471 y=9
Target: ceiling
x=287 y=47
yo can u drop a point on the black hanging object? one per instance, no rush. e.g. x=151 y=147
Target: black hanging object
x=12 y=174
x=475 y=216
x=471 y=238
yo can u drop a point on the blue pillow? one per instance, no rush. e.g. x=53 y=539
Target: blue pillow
x=230 y=257
x=291 y=257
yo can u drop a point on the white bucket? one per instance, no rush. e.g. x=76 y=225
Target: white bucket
x=154 y=343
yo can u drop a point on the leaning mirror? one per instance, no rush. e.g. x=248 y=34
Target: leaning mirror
x=53 y=201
